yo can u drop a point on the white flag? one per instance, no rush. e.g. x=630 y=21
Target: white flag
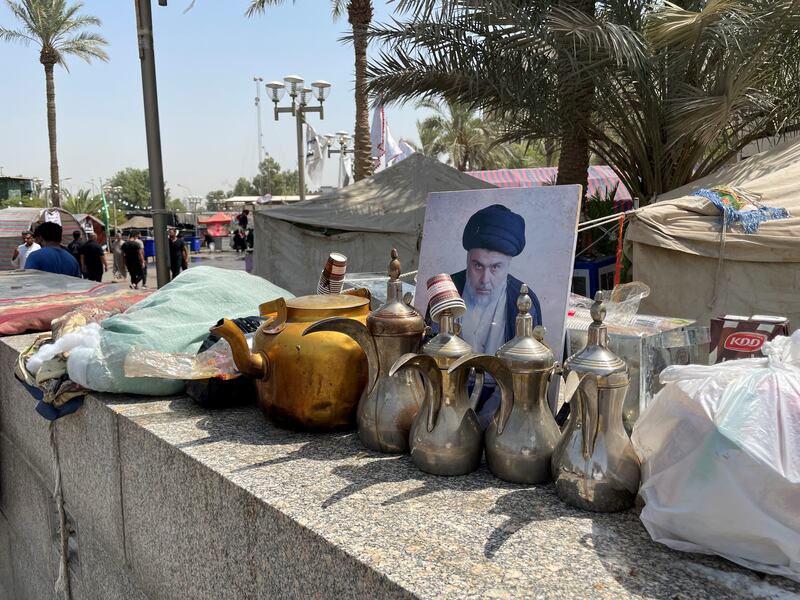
x=315 y=158
x=406 y=150
x=392 y=148
x=345 y=169
x=376 y=136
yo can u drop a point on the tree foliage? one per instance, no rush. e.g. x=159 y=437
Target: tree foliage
x=677 y=90
x=58 y=30
x=135 y=184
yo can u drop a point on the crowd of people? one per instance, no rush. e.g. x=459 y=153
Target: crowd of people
x=42 y=249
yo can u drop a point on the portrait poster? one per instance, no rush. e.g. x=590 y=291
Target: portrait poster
x=491 y=241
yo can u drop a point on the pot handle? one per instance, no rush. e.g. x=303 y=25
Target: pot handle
x=432 y=378
x=276 y=309
x=485 y=363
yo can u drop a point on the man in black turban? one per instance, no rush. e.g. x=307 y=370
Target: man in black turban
x=492 y=237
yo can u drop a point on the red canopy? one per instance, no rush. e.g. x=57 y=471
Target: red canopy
x=220 y=217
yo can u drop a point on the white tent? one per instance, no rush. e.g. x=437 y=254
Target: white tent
x=675 y=245
x=363 y=221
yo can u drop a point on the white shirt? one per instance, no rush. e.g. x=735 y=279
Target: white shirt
x=23 y=251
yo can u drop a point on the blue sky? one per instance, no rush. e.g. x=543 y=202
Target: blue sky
x=206 y=60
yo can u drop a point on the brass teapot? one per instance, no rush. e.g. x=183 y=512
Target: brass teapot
x=523 y=434
x=594 y=464
x=446 y=437
x=389 y=404
x=309 y=383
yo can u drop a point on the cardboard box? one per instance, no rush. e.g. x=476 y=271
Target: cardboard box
x=736 y=336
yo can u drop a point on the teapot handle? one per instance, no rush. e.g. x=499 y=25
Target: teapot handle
x=277 y=308
x=587 y=398
x=495 y=367
x=431 y=376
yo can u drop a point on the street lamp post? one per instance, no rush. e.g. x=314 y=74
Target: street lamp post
x=298 y=109
x=258 y=81
x=343 y=138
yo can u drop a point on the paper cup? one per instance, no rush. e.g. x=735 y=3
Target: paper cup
x=443 y=295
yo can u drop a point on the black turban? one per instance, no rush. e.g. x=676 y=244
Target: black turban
x=495 y=228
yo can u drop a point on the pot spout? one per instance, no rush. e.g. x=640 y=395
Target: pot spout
x=253 y=364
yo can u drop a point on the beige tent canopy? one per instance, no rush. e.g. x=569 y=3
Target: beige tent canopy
x=362 y=221
x=675 y=245
x=137 y=222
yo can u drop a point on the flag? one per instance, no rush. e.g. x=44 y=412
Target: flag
x=392 y=148
x=376 y=136
x=345 y=168
x=406 y=150
x=315 y=159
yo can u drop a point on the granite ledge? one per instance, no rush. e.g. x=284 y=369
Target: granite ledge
x=435 y=537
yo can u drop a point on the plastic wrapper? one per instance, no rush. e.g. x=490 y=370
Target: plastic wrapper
x=720 y=452
x=216 y=361
x=621 y=303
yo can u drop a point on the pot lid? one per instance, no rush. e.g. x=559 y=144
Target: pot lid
x=446 y=343
x=395 y=317
x=596 y=358
x=326 y=301
x=526 y=350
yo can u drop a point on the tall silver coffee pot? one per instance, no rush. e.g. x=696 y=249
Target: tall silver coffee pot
x=523 y=433
x=594 y=464
x=388 y=405
x=446 y=437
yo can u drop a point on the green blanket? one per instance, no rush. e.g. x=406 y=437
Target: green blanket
x=176 y=318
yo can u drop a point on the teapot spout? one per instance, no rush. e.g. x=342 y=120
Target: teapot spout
x=253 y=364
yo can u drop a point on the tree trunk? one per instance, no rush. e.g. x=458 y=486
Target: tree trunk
x=575 y=107
x=55 y=190
x=360 y=15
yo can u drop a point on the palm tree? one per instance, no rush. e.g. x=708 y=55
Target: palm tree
x=359 y=15
x=56 y=28
x=83 y=202
x=467 y=140
x=673 y=92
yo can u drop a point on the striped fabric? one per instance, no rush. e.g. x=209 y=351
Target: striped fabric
x=602 y=180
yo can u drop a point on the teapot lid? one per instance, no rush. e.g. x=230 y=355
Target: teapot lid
x=446 y=343
x=526 y=350
x=596 y=358
x=395 y=317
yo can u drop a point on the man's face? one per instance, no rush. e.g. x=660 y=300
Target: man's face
x=27 y=239
x=486 y=272
x=172 y=234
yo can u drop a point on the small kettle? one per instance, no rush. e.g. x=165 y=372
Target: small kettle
x=523 y=434
x=388 y=405
x=594 y=465
x=446 y=437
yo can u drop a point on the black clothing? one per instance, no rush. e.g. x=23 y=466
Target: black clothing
x=242 y=221
x=250 y=239
x=175 y=256
x=74 y=248
x=130 y=251
x=92 y=254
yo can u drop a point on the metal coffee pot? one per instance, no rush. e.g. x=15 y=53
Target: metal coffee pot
x=446 y=437
x=389 y=404
x=523 y=433
x=594 y=464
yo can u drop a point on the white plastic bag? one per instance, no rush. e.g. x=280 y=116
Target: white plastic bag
x=720 y=452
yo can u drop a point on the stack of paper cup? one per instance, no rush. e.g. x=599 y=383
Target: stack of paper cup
x=443 y=295
x=332 y=277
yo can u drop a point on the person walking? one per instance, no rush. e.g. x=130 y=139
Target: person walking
x=120 y=272
x=51 y=257
x=22 y=251
x=242 y=219
x=75 y=245
x=133 y=252
x=210 y=242
x=177 y=250
x=140 y=242
x=250 y=238
x=92 y=259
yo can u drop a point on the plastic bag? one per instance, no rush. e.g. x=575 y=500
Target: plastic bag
x=720 y=452
x=217 y=361
x=621 y=303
